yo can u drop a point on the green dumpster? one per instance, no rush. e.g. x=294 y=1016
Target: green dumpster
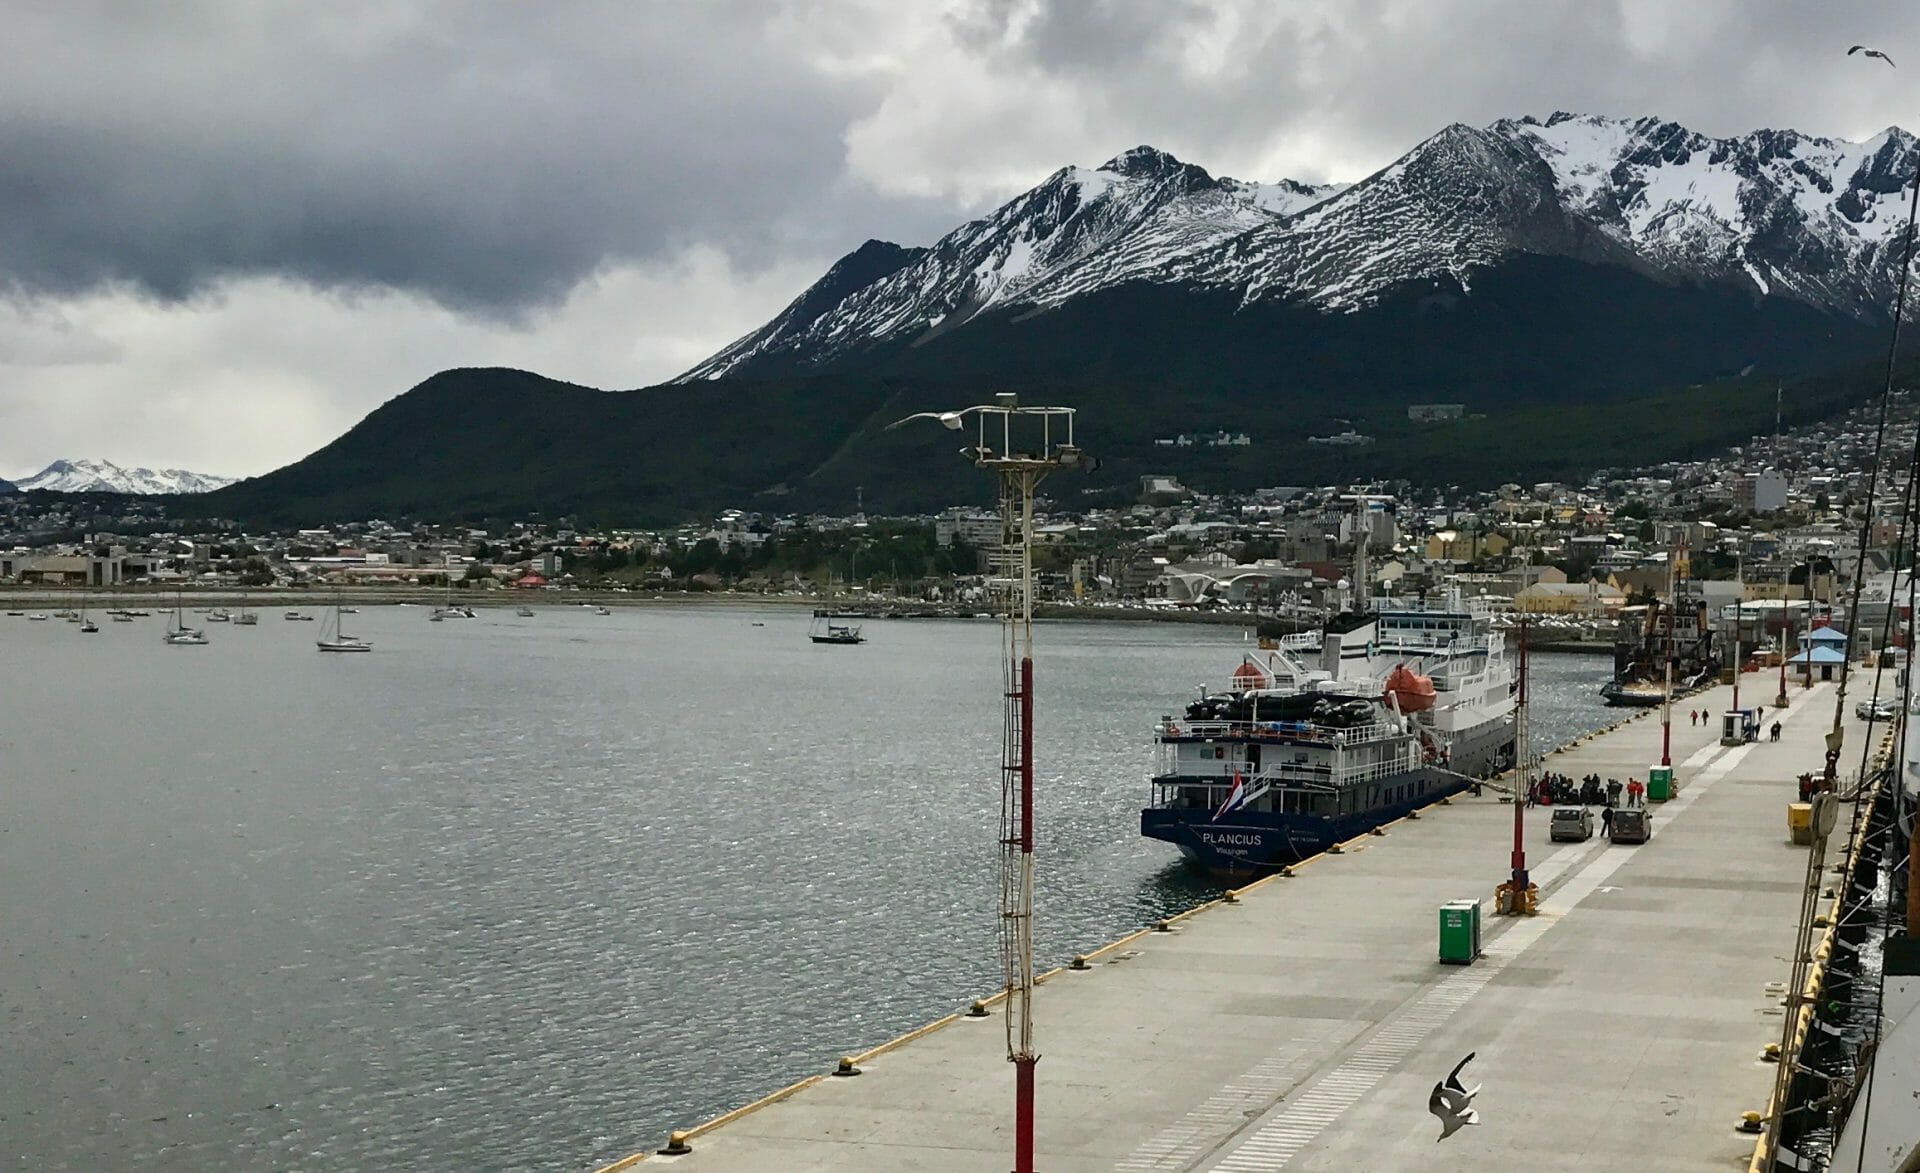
x=1459 y=931
x=1660 y=786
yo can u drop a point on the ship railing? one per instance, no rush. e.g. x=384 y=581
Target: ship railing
x=1294 y=777
x=1369 y=771
x=1460 y=683
x=1304 y=641
x=1281 y=731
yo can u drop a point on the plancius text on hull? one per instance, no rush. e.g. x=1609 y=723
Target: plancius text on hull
x=1323 y=736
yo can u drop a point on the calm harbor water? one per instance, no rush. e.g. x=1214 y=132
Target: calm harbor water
x=527 y=893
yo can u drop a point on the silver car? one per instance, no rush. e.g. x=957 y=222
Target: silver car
x=1570 y=824
x=1876 y=710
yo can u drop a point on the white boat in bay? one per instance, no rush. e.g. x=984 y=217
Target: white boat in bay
x=179 y=634
x=450 y=610
x=340 y=641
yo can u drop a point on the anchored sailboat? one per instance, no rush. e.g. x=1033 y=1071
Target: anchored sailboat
x=340 y=641
x=178 y=633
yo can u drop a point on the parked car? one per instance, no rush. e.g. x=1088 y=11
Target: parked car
x=1871 y=710
x=1570 y=824
x=1630 y=824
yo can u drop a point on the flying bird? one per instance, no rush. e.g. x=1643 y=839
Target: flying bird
x=1870 y=53
x=948 y=419
x=1452 y=1102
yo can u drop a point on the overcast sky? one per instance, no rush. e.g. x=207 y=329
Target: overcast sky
x=230 y=230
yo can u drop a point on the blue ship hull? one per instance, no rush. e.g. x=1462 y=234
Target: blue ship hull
x=1251 y=843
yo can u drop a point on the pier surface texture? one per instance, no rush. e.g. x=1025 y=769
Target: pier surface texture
x=1304 y=1026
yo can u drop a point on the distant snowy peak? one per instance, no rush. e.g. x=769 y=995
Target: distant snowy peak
x=1081 y=229
x=101 y=476
x=1775 y=212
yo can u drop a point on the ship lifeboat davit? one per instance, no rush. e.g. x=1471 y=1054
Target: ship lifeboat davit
x=1412 y=692
x=1248 y=677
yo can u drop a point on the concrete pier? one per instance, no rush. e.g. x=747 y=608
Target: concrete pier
x=1303 y=1026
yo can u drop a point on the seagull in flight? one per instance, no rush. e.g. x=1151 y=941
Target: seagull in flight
x=1451 y=1102
x=948 y=419
x=1870 y=53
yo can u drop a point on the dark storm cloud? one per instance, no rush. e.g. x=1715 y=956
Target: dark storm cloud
x=1369 y=78
x=491 y=155
x=487 y=155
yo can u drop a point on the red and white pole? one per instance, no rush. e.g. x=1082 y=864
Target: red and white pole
x=1523 y=775
x=1024 y=1059
x=1673 y=609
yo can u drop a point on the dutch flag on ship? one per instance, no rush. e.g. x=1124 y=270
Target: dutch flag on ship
x=1235 y=797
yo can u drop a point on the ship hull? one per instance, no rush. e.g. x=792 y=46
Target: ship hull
x=1254 y=843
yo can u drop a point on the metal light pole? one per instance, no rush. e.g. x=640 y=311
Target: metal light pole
x=1020 y=446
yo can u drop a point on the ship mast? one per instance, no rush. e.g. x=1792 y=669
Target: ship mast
x=1362 y=538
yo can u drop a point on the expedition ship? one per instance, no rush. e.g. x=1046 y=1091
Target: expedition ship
x=1401 y=704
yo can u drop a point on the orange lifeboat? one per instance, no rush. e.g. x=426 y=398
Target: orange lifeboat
x=1410 y=690
x=1248 y=677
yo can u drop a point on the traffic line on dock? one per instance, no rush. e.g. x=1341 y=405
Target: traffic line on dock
x=1200 y=1130
x=1278 y=1141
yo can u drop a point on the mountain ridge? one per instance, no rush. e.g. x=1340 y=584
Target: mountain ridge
x=1776 y=213
x=1595 y=291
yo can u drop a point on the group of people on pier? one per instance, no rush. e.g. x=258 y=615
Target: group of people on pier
x=1591 y=790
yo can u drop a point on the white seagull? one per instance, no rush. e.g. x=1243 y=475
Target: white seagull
x=1451 y=1102
x=948 y=419
x=1870 y=53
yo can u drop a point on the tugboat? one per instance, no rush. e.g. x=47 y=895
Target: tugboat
x=1650 y=633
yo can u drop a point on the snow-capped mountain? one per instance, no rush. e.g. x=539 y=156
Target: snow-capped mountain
x=1776 y=215
x=101 y=476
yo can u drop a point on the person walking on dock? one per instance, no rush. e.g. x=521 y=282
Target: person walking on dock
x=1606 y=823
x=1613 y=792
x=1636 y=793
